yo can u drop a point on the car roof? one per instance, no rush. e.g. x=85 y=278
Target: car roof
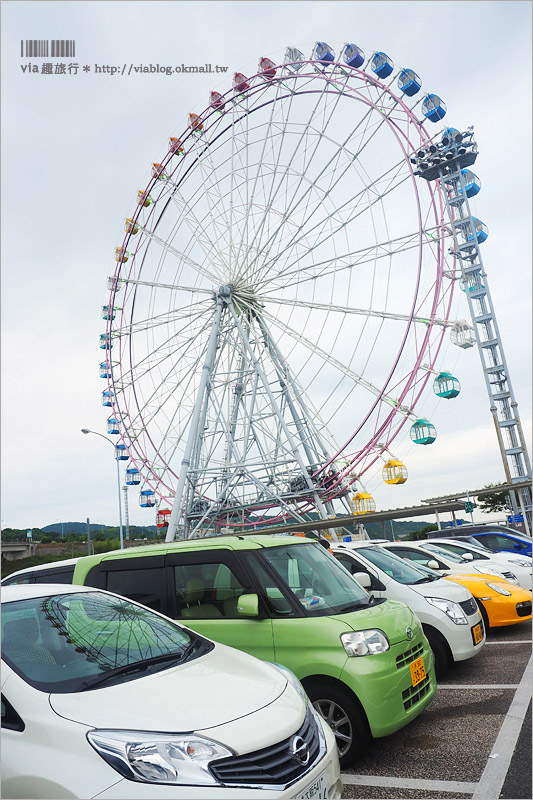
x=24 y=591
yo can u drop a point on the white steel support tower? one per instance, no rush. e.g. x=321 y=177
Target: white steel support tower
x=126 y=513
x=447 y=162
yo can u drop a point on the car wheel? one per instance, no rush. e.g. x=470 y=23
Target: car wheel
x=345 y=716
x=484 y=616
x=441 y=651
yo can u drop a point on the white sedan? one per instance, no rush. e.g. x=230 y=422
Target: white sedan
x=506 y=562
x=102 y=697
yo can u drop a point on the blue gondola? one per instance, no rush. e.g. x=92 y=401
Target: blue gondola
x=105 y=341
x=133 y=476
x=451 y=136
x=481 y=231
x=105 y=371
x=445 y=385
x=112 y=425
x=107 y=398
x=409 y=82
x=472 y=183
x=433 y=108
x=423 y=432
x=147 y=498
x=121 y=454
x=382 y=65
x=323 y=53
x=353 y=55
x=108 y=312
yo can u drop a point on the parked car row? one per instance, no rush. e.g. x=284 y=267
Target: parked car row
x=359 y=632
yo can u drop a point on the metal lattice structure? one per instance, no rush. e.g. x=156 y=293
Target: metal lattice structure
x=448 y=163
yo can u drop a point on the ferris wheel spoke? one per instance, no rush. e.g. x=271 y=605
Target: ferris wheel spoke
x=343 y=368
x=173 y=251
x=286 y=170
x=365 y=312
x=340 y=148
x=356 y=213
x=150 y=323
x=197 y=228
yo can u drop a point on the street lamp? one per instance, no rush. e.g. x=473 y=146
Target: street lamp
x=86 y=430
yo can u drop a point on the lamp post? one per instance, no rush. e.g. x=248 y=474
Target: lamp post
x=86 y=430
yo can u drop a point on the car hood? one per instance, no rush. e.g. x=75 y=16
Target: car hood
x=393 y=617
x=477 y=585
x=216 y=688
x=441 y=588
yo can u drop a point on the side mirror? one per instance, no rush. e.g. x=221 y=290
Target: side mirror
x=467 y=557
x=363 y=578
x=517 y=546
x=248 y=605
x=432 y=564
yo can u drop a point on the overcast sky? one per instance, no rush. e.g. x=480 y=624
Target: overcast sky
x=77 y=147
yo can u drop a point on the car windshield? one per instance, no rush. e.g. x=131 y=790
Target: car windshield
x=464 y=549
x=315 y=577
x=70 y=642
x=395 y=567
x=440 y=551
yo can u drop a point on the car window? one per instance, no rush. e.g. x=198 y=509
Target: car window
x=17 y=579
x=495 y=541
x=443 y=553
x=353 y=566
x=270 y=590
x=10 y=719
x=315 y=579
x=207 y=590
x=54 y=575
x=455 y=548
x=142 y=585
x=417 y=556
x=64 y=643
x=397 y=568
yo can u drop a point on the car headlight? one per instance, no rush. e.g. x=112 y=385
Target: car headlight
x=453 y=610
x=158 y=757
x=499 y=588
x=293 y=680
x=365 y=643
x=520 y=562
x=489 y=571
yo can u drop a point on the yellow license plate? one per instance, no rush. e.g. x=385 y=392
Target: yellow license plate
x=477 y=633
x=418 y=671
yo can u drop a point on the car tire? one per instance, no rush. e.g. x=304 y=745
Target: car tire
x=484 y=616
x=346 y=717
x=441 y=651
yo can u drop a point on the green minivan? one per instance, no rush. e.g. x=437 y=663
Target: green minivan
x=365 y=663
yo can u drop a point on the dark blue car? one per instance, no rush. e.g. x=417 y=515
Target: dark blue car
x=498 y=541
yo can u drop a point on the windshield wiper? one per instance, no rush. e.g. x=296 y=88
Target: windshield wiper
x=140 y=666
x=355 y=606
x=427 y=579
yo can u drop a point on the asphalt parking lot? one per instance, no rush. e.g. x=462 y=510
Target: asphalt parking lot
x=473 y=741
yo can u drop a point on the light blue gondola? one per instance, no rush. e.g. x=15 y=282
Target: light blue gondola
x=121 y=454
x=472 y=183
x=353 y=56
x=112 y=425
x=323 y=53
x=133 y=476
x=409 y=82
x=433 y=108
x=423 y=432
x=445 y=385
x=108 y=312
x=105 y=342
x=382 y=65
x=481 y=229
x=105 y=371
x=107 y=398
x=147 y=498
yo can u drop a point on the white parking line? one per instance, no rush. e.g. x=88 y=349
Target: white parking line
x=478 y=685
x=514 y=641
x=454 y=787
x=494 y=774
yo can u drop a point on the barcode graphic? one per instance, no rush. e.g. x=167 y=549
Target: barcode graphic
x=43 y=48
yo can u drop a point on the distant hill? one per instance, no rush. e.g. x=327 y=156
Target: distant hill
x=81 y=528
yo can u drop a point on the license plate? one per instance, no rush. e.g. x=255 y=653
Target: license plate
x=418 y=671
x=477 y=633
x=318 y=790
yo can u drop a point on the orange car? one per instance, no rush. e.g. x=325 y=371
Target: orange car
x=500 y=602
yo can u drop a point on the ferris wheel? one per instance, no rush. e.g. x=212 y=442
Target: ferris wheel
x=280 y=297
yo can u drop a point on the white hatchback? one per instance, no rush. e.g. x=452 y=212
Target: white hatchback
x=102 y=697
